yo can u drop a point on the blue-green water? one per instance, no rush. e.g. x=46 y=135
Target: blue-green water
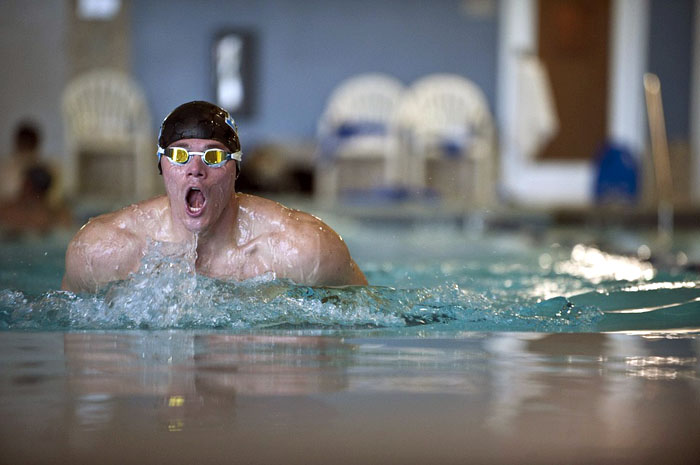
x=422 y=281
x=422 y=366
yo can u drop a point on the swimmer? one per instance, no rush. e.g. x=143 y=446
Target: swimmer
x=237 y=236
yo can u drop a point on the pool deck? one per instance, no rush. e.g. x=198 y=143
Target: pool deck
x=431 y=210
x=496 y=217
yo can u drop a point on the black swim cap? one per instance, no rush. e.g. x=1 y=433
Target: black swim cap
x=199 y=120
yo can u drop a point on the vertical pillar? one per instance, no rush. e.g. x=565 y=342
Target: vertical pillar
x=695 y=109
x=628 y=62
x=516 y=33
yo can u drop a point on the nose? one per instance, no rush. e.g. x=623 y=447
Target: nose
x=196 y=167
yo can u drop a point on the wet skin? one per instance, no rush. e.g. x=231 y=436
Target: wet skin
x=237 y=236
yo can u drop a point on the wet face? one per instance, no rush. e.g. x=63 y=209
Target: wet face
x=200 y=195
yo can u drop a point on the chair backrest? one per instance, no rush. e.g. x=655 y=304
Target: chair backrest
x=368 y=99
x=106 y=111
x=444 y=106
x=105 y=105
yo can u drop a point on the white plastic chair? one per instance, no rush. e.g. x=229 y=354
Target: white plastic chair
x=355 y=128
x=110 y=142
x=444 y=119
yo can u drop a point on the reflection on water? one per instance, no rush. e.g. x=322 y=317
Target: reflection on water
x=299 y=397
x=194 y=379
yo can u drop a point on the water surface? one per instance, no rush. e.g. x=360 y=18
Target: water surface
x=442 y=280
x=506 y=348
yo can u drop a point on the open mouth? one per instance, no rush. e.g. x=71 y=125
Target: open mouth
x=195 y=201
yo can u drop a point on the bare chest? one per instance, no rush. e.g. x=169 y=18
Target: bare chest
x=266 y=254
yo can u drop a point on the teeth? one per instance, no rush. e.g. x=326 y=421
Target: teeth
x=194 y=200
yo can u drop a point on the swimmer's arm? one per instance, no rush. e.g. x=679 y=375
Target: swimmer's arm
x=332 y=262
x=355 y=275
x=339 y=269
x=98 y=254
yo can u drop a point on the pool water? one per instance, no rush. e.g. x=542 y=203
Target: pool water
x=435 y=280
x=506 y=347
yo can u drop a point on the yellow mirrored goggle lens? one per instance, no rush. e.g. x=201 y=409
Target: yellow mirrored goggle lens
x=214 y=156
x=177 y=154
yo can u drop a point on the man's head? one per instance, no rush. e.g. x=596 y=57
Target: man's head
x=199 y=139
x=27 y=137
x=199 y=120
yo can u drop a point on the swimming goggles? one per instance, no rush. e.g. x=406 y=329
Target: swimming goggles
x=211 y=157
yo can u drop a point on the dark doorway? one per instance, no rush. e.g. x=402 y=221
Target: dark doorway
x=574 y=41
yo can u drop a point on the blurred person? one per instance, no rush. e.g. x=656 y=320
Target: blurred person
x=25 y=153
x=30 y=210
x=237 y=236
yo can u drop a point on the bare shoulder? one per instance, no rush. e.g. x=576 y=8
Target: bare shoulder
x=271 y=212
x=322 y=252
x=271 y=216
x=106 y=248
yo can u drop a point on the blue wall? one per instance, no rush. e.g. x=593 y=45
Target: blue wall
x=670 y=57
x=305 y=48
x=35 y=66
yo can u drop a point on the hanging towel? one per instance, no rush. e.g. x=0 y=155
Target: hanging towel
x=536 y=120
